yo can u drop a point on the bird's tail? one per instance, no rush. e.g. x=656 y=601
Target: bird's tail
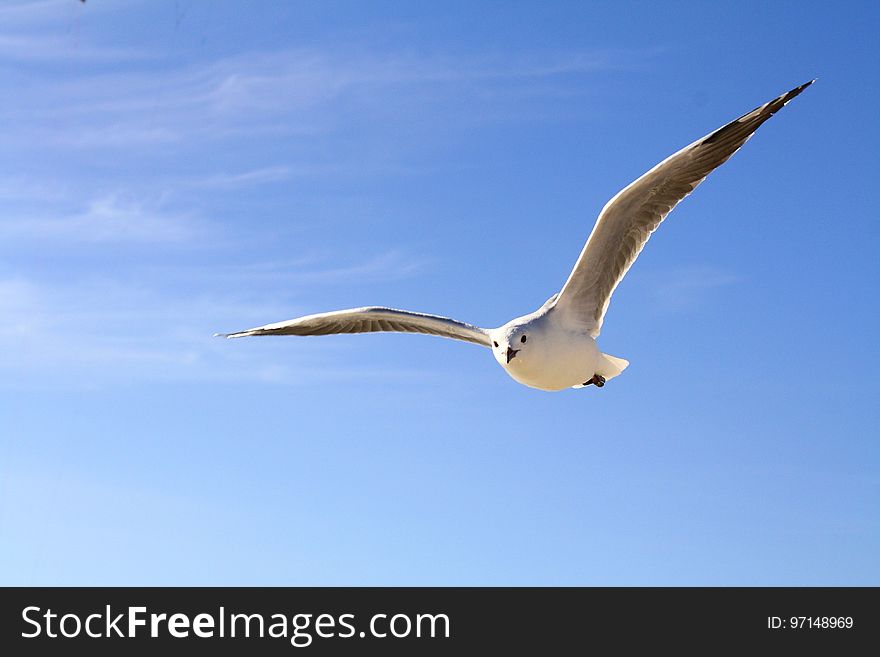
x=611 y=366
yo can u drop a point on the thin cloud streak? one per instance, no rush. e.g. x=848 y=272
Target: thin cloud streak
x=391 y=265
x=34 y=48
x=301 y=91
x=106 y=219
x=233 y=181
x=30 y=14
x=105 y=332
x=679 y=289
x=49 y=31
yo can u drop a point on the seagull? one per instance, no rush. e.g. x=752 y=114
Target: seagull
x=555 y=348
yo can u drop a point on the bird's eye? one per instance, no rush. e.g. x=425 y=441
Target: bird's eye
x=495 y=343
x=522 y=339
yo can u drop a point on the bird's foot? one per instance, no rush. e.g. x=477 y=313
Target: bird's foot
x=598 y=380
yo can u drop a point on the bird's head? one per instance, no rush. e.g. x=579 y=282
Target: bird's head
x=511 y=345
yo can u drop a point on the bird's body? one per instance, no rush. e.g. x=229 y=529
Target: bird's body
x=561 y=358
x=555 y=347
x=557 y=353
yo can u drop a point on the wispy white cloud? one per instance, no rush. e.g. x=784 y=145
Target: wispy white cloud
x=33 y=12
x=50 y=30
x=125 y=135
x=28 y=188
x=390 y=265
x=50 y=48
x=263 y=176
x=98 y=333
x=680 y=288
x=301 y=91
x=95 y=330
x=105 y=219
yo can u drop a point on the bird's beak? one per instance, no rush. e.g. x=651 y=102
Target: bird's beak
x=511 y=353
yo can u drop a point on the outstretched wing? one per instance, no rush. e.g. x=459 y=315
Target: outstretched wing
x=371 y=319
x=627 y=220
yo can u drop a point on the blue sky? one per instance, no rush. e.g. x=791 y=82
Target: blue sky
x=172 y=169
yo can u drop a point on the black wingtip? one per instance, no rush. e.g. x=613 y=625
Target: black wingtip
x=775 y=105
x=757 y=116
x=794 y=92
x=239 y=334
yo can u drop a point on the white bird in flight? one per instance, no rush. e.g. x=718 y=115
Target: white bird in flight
x=555 y=347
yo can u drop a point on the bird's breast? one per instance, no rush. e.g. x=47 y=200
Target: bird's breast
x=555 y=361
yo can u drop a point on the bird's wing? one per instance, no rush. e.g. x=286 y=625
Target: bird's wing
x=371 y=320
x=627 y=220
